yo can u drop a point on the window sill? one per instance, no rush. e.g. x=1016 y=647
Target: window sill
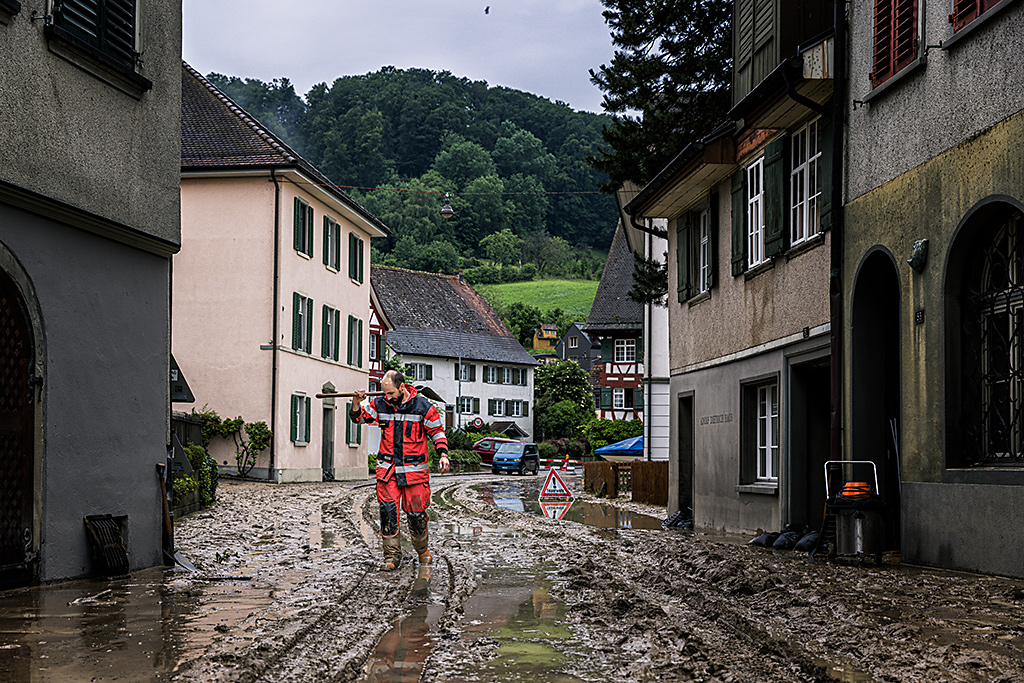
x=300 y=443
x=895 y=79
x=8 y=8
x=758 y=270
x=985 y=476
x=93 y=61
x=811 y=242
x=761 y=488
x=304 y=255
x=974 y=25
x=700 y=298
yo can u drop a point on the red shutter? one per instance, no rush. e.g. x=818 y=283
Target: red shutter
x=964 y=12
x=904 y=33
x=882 y=43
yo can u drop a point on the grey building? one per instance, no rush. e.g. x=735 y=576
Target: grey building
x=89 y=220
x=749 y=217
x=576 y=345
x=933 y=381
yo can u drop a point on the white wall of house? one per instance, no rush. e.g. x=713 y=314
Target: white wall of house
x=657 y=429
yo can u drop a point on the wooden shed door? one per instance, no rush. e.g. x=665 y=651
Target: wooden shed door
x=16 y=429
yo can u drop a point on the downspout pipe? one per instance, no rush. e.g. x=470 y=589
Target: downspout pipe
x=271 y=471
x=836 y=245
x=649 y=364
x=650 y=230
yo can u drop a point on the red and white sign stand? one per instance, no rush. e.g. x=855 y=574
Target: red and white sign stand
x=554 y=486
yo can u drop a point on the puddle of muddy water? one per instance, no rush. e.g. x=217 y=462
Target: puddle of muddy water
x=523 y=497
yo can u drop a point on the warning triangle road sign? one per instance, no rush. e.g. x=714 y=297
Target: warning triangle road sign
x=555 y=509
x=554 y=487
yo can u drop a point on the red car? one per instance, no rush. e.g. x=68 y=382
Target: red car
x=486 y=447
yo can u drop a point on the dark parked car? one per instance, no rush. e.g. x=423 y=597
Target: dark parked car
x=486 y=447
x=516 y=457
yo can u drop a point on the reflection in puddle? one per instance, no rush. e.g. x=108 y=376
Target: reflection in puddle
x=402 y=651
x=840 y=672
x=523 y=498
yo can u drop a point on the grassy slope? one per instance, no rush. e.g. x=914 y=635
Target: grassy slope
x=574 y=297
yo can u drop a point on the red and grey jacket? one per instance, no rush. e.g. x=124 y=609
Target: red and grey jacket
x=404 y=431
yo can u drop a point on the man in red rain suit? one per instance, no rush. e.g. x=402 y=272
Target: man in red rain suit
x=406 y=421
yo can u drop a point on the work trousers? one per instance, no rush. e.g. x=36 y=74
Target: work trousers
x=413 y=499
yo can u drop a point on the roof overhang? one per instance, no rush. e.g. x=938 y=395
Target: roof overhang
x=687 y=179
x=328 y=194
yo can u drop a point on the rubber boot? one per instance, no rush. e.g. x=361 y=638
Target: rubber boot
x=392 y=553
x=419 y=542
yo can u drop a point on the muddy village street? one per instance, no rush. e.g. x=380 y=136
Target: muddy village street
x=288 y=588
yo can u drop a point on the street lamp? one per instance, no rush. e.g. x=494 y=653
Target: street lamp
x=446 y=210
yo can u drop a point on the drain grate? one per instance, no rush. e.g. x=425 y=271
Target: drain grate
x=108 y=547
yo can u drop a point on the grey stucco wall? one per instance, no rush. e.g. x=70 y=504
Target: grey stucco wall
x=104 y=311
x=964 y=527
x=951 y=96
x=72 y=137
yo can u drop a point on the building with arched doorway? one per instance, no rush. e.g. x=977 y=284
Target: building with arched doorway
x=933 y=277
x=89 y=220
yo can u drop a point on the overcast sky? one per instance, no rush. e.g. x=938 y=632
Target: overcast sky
x=544 y=47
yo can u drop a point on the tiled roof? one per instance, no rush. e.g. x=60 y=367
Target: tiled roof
x=437 y=315
x=612 y=308
x=217 y=134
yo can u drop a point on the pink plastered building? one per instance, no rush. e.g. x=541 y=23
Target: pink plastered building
x=271 y=291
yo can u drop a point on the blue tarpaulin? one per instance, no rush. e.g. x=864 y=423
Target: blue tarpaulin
x=632 y=447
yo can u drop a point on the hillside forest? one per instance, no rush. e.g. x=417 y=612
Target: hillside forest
x=513 y=165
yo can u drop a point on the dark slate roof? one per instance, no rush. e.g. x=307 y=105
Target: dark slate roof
x=612 y=308
x=217 y=134
x=437 y=315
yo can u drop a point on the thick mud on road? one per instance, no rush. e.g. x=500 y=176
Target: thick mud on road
x=288 y=589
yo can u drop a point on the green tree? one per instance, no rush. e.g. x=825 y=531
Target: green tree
x=650 y=280
x=562 y=420
x=274 y=104
x=521 y=320
x=603 y=432
x=672 y=65
x=503 y=247
x=462 y=161
x=563 y=380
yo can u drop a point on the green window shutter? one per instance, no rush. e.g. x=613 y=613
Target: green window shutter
x=325 y=326
x=683 y=291
x=472 y=372
x=297 y=225
x=428 y=373
x=456 y=372
x=640 y=349
x=359 y=344
x=775 y=199
x=309 y=326
x=309 y=230
x=476 y=406
x=638 y=398
x=308 y=411
x=351 y=350
x=713 y=240
x=485 y=375
x=348 y=422
x=825 y=177
x=296 y=321
x=295 y=418
x=526 y=409
x=336 y=246
x=327 y=240
x=353 y=256
x=359 y=244
x=606 y=398
x=607 y=349
x=337 y=334
x=490 y=406
x=739 y=223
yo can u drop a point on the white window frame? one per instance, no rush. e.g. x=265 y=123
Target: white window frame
x=506 y=375
x=805 y=183
x=618 y=399
x=333 y=240
x=767 y=432
x=300 y=420
x=515 y=409
x=304 y=313
x=463 y=372
x=704 y=252
x=374 y=344
x=333 y=323
x=490 y=374
x=574 y=342
x=418 y=372
x=499 y=408
x=625 y=351
x=465 y=405
x=755 y=213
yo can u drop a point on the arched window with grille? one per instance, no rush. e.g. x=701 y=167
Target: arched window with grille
x=991 y=307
